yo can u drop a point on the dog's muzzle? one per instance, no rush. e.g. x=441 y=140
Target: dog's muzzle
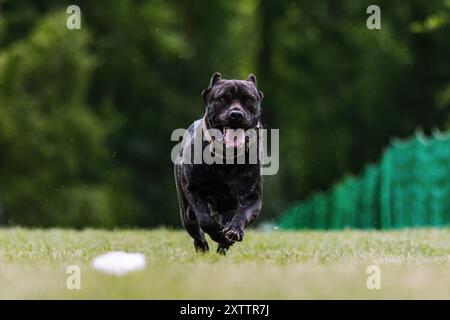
x=232 y=139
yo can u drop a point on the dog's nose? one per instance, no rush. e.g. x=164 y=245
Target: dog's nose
x=236 y=115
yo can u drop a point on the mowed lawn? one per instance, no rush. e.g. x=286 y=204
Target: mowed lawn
x=267 y=265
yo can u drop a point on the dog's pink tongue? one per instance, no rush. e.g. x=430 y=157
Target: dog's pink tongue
x=234 y=138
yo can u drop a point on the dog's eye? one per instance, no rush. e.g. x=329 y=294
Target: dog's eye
x=249 y=99
x=222 y=99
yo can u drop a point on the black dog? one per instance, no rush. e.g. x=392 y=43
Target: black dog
x=221 y=199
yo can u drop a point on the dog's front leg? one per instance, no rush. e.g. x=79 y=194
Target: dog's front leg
x=201 y=210
x=245 y=215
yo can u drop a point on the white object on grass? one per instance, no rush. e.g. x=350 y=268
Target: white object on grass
x=119 y=263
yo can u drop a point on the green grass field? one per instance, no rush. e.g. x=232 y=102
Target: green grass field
x=274 y=265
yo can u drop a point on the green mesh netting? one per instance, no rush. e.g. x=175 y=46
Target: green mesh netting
x=409 y=188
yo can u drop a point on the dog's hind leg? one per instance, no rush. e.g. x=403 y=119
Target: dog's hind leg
x=222 y=248
x=191 y=225
x=188 y=218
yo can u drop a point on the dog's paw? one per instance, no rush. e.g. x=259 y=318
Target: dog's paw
x=201 y=245
x=233 y=232
x=222 y=249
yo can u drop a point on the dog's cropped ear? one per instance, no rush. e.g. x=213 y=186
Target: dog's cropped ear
x=251 y=77
x=214 y=79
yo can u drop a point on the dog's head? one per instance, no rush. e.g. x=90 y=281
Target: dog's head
x=232 y=104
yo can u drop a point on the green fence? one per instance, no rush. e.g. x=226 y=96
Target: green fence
x=409 y=188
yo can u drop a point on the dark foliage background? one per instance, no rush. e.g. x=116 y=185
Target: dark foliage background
x=86 y=115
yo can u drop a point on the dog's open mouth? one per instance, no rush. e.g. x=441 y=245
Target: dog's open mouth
x=234 y=138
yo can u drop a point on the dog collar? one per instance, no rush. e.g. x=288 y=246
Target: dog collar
x=216 y=147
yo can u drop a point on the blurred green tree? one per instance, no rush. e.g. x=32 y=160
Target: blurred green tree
x=55 y=165
x=86 y=115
